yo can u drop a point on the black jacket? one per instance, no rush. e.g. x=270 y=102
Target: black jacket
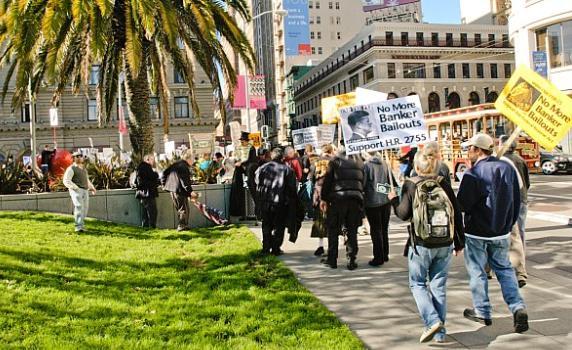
x=177 y=178
x=404 y=210
x=276 y=184
x=377 y=175
x=520 y=165
x=146 y=182
x=343 y=181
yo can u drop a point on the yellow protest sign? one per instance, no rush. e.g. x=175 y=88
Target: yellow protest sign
x=332 y=105
x=255 y=138
x=537 y=106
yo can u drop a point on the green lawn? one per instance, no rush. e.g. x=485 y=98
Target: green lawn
x=119 y=287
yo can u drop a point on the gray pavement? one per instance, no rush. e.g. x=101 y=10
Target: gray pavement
x=377 y=305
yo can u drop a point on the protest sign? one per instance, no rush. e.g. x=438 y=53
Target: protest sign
x=332 y=105
x=365 y=96
x=305 y=136
x=535 y=105
x=383 y=125
x=256 y=139
x=326 y=134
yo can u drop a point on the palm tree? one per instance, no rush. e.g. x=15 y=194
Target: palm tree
x=57 y=41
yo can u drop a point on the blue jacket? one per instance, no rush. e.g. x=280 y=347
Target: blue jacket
x=490 y=198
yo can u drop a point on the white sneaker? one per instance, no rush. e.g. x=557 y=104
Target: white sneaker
x=362 y=230
x=429 y=332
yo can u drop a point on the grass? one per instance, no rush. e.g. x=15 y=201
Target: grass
x=119 y=287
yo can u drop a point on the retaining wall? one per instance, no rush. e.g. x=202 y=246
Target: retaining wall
x=121 y=206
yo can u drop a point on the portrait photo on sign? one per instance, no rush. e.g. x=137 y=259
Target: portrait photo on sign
x=359 y=125
x=523 y=95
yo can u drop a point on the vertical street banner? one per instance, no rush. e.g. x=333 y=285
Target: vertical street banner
x=540 y=63
x=384 y=125
x=255 y=93
x=240 y=93
x=305 y=136
x=326 y=133
x=537 y=106
x=296 y=28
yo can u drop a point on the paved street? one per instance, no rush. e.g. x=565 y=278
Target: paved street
x=377 y=305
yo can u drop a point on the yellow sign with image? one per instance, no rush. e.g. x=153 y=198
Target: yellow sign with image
x=331 y=106
x=537 y=106
x=256 y=139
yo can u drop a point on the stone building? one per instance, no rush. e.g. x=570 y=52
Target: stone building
x=447 y=65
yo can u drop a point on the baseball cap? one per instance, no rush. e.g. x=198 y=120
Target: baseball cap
x=482 y=141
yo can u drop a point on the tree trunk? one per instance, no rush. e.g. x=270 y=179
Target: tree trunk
x=137 y=93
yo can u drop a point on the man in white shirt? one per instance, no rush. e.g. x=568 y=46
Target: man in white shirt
x=79 y=186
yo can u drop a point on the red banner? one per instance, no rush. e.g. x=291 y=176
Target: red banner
x=240 y=93
x=256 y=92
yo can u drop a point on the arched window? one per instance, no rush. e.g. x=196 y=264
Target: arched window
x=492 y=97
x=412 y=93
x=474 y=98
x=434 y=102
x=392 y=95
x=453 y=101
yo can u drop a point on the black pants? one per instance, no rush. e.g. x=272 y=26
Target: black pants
x=182 y=207
x=149 y=212
x=273 y=226
x=378 y=218
x=348 y=214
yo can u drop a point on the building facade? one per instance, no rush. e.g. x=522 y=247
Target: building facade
x=485 y=11
x=448 y=66
x=79 y=127
x=545 y=26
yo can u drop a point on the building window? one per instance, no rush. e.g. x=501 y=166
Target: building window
x=434 y=102
x=464 y=42
x=345 y=87
x=491 y=39
x=480 y=71
x=404 y=38
x=507 y=70
x=437 y=70
x=557 y=38
x=451 y=71
x=179 y=77
x=319 y=35
x=181 y=107
x=26 y=113
x=310 y=4
x=318 y=18
x=389 y=38
x=317 y=4
x=313 y=50
x=312 y=36
x=478 y=40
x=391 y=70
x=339 y=35
x=505 y=41
x=337 y=5
x=414 y=70
x=354 y=82
x=154 y=108
x=94 y=74
x=420 y=39
x=435 y=39
x=320 y=51
x=449 y=39
x=311 y=19
x=494 y=71
x=368 y=75
x=338 y=20
x=466 y=71
x=92 y=109
x=331 y=5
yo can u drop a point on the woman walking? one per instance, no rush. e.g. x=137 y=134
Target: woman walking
x=317 y=174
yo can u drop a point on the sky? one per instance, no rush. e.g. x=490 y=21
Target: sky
x=441 y=11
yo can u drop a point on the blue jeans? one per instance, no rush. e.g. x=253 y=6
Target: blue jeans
x=479 y=252
x=431 y=265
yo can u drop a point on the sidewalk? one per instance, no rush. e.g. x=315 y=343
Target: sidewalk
x=377 y=305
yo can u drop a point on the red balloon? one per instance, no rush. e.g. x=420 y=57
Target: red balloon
x=61 y=160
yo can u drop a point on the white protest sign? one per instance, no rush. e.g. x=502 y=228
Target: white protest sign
x=305 y=136
x=384 y=125
x=169 y=149
x=365 y=96
x=326 y=134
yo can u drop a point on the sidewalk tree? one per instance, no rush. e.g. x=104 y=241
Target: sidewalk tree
x=55 y=43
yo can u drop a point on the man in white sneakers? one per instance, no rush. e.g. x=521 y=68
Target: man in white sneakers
x=79 y=186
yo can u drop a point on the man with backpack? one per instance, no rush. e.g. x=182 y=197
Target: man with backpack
x=490 y=197
x=436 y=230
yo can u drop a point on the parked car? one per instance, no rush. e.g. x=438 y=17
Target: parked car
x=555 y=161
